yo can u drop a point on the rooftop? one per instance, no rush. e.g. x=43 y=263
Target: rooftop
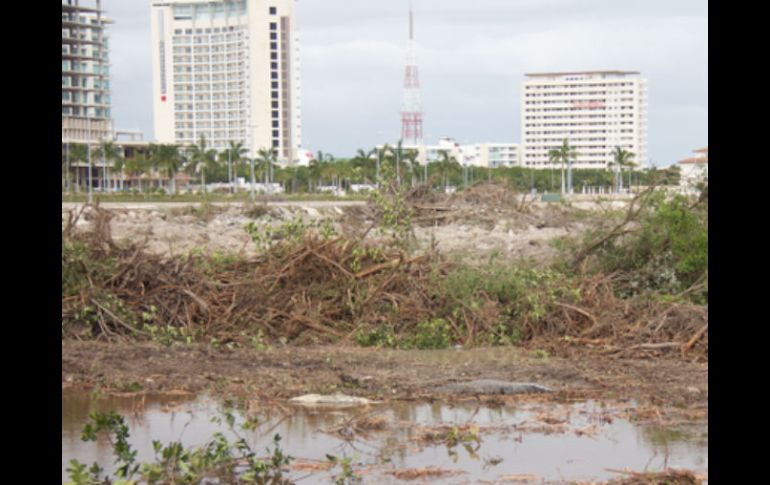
x=695 y=161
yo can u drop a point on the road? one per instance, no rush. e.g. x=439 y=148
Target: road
x=171 y=205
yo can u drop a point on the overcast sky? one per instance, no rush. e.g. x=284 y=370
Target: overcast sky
x=472 y=56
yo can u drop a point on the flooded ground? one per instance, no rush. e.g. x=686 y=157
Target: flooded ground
x=528 y=441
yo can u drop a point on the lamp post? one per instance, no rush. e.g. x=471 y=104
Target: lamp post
x=88 y=157
x=379 y=161
x=230 y=169
x=252 y=127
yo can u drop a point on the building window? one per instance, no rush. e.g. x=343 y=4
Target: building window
x=275 y=133
x=274 y=94
x=274 y=56
x=275 y=114
x=274 y=84
x=273 y=26
x=273 y=65
x=275 y=144
x=273 y=11
x=273 y=36
x=274 y=45
x=274 y=104
x=275 y=123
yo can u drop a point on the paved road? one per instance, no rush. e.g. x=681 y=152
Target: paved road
x=170 y=205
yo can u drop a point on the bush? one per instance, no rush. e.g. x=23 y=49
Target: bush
x=667 y=251
x=431 y=334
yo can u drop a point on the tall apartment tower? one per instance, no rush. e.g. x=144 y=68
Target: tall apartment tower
x=594 y=110
x=229 y=70
x=85 y=73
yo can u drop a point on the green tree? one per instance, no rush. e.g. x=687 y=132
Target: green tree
x=562 y=155
x=363 y=161
x=168 y=160
x=233 y=156
x=621 y=158
x=112 y=155
x=202 y=158
x=78 y=153
x=137 y=167
x=266 y=158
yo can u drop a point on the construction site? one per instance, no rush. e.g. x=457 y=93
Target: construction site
x=422 y=331
x=390 y=299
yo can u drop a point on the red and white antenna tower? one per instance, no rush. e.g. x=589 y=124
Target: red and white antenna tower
x=411 y=111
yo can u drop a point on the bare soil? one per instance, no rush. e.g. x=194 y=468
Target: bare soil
x=660 y=387
x=177 y=229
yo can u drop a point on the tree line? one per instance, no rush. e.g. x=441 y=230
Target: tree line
x=324 y=171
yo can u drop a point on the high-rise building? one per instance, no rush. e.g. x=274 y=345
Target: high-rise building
x=594 y=110
x=228 y=70
x=85 y=73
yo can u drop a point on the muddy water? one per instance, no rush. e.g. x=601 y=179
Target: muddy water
x=550 y=442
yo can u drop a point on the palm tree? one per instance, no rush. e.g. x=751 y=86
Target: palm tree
x=168 y=160
x=78 y=153
x=110 y=153
x=321 y=166
x=233 y=155
x=562 y=155
x=621 y=158
x=631 y=166
x=136 y=167
x=446 y=162
x=267 y=158
x=362 y=159
x=202 y=159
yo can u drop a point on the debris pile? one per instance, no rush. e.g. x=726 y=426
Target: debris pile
x=318 y=289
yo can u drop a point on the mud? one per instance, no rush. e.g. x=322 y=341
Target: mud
x=663 y=389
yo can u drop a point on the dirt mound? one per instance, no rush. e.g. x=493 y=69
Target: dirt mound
x=486 y=204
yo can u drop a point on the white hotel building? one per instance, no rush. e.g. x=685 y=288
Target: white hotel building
x=478 y=154
x=594 y=110
x=229 y=70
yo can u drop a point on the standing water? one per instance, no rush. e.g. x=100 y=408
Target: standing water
x=467 y=443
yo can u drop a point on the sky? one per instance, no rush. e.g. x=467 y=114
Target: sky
x=472 y=57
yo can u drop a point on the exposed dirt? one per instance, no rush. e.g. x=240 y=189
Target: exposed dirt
x=476 y=230
x=661 y=387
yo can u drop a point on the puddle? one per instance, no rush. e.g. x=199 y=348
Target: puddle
x=549 y=442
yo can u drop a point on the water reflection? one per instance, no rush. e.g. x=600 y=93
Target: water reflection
x=576 y=442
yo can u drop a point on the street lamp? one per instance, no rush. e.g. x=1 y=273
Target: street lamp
x=252 y=127
x=379 y=161
x=88 y=156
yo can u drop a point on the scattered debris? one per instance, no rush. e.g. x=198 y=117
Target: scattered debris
x=338 y=399
x=422 y=473
x=667 y=477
